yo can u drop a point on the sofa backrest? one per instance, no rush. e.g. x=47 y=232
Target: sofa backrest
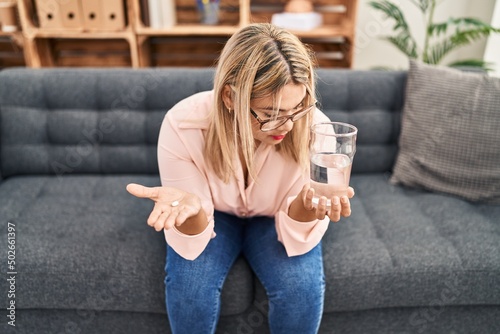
x=372 y=101
x=62 y=121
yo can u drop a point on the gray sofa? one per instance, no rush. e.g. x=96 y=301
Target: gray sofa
x=406 y=261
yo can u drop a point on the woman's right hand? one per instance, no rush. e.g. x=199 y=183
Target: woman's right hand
x=172 y=206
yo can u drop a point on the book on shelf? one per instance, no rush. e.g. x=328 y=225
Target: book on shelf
x=144 y=4
x=159 y=14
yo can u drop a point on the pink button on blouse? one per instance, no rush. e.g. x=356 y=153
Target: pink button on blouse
x=182 y=165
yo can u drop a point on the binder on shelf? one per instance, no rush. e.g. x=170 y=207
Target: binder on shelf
x=71 y=14
x=81 y=14
x=49 y=14
x=113 y=15
x=55 y=14
x=92 y=14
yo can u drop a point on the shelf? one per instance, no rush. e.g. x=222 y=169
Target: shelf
x=31 y=26
x=47 y=33
x=326 y=32
x=187 y=19
x=52 y=52
x=331 y=54
x=11 y=50
x=188 y=30
x=11 y=44
x=159 y=51
x=47 y=47
x=186 y=43
x=9 y=34
x=338 y=16
x=15 y=37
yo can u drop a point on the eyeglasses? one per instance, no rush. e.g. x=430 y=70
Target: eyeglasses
x=272 y=124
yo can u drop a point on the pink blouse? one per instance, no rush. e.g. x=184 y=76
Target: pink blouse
x=182 y=165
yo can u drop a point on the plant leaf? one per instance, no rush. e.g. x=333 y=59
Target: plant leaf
x=392 y=12
x=438 y=51
x=471 y=35
x=403 y=39
x=423 y=5
x=474 y=63
x=459 y=38
x=405 y=44
x=465 y=31
x=463 y=22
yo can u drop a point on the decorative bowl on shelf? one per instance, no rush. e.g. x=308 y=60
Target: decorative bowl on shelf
x=298 y=15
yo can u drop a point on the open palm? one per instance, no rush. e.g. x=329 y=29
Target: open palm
x=165 y=214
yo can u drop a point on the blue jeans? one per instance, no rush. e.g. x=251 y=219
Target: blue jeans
x=295 y=285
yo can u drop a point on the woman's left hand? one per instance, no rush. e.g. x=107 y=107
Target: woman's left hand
x=340 y=205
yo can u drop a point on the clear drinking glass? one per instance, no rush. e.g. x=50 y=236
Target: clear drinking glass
x=332 y=150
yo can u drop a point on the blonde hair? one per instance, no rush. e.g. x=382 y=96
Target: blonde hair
x=257 y=61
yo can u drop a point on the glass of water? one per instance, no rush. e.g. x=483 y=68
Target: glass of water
x=332 y=150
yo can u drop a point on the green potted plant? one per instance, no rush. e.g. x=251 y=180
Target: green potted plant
x=440 y=37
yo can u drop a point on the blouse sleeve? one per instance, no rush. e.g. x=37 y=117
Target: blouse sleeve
x=178 y=169
x=298 y=237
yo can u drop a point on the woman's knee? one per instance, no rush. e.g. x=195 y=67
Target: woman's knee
x=305 y=290
x=191 y=279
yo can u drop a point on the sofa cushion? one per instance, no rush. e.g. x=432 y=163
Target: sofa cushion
x=449 y=137
x=83 y=244
x=403 y=247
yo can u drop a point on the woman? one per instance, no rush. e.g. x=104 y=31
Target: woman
x=234 y=169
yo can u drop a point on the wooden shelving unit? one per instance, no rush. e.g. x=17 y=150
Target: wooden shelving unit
x=12 y=49
x=75 y=47
x=187 y=43
x=333 y=41
x=12 y=44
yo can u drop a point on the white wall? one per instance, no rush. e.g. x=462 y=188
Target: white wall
x=371 y=51
x=492 y=52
